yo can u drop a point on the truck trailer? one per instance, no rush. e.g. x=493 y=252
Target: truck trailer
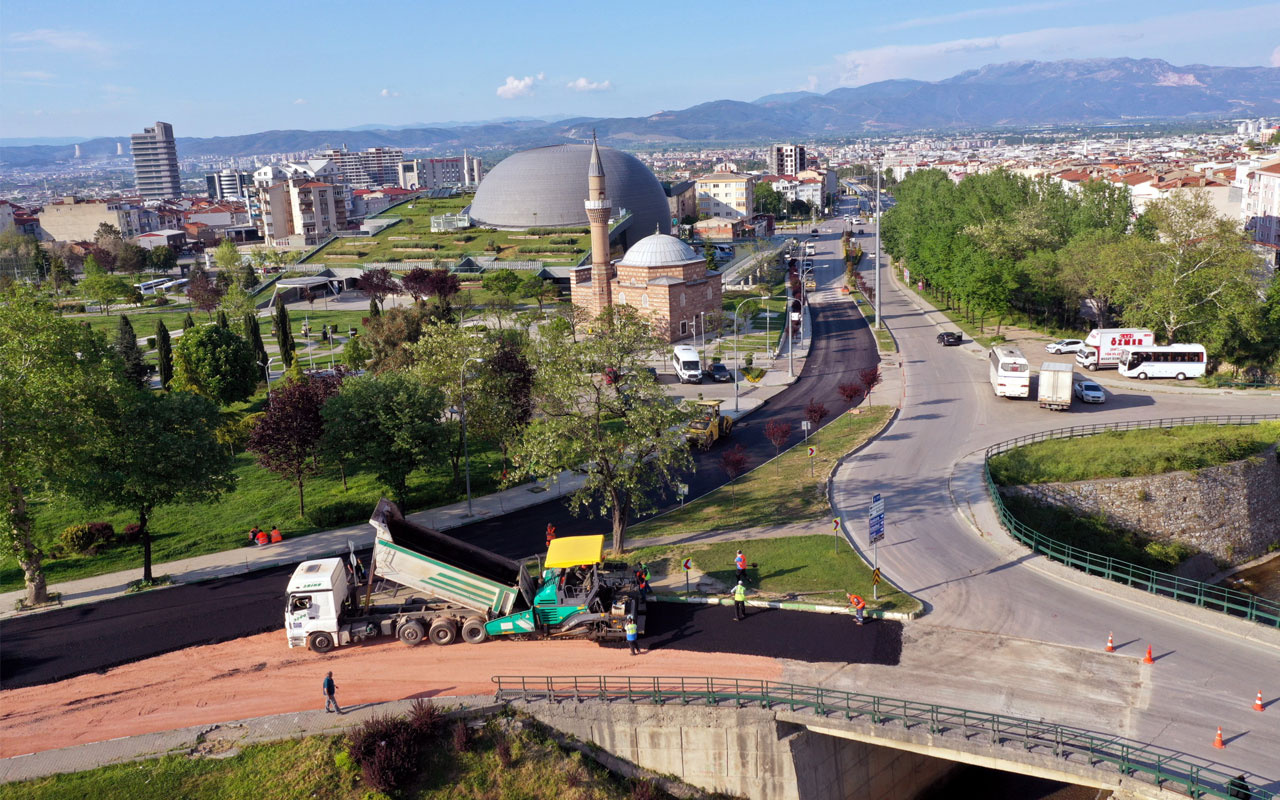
x=1055 y=385
x=424 y=584
x=1104 y=346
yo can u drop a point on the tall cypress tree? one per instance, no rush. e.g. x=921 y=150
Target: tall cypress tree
x=374 y=311
x=284 y=334
x=223 y=322
x=188 y=323
x=253 y=335
x=126 y=346
x=164 y=353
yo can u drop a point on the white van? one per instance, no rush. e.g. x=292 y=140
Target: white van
x=687 y=365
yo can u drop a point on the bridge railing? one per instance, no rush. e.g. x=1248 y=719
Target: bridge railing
x=1215 y=598
x=1161 y=767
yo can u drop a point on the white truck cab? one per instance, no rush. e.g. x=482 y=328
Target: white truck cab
x=687 y=364
x=315 y=595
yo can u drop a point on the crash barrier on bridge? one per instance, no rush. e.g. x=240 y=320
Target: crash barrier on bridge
x=1163 y=768
x=1216 y=598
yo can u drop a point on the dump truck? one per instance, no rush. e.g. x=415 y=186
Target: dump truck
x=709 y=426
x=1055 y=385
x=426 y=585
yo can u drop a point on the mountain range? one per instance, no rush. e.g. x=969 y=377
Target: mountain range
x=1016 y=94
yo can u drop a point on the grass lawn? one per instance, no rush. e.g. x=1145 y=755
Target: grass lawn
x=535 y=768
x=1130 y=453
x=779 y=490
x=884 y=339
x=143 y=320
x=261 y=498
x=810 y=569
x=412 y=240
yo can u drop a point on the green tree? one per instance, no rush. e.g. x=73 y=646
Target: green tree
x=56 y=378
x=221 y=321
x=215 y=363
x=284 y=332
x=164 y=354
x=103 y=289
x=227 y=257
x=355 y=356
x=188 y=322
x=135 y=371
x=236 y=303
x=539 y=288
x=769 y=200
x=437 y=356
x=247 y=278
x=131 y=258
x=389 y=424
x=162 y=449
x=709 y=255
x=162 y=259
x=630 y=442
x=253 y=335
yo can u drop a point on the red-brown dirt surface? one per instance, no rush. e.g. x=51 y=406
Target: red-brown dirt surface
x=259 y=675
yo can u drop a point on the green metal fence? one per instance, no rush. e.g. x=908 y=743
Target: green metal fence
x=1167 y=769
x=1216 y=598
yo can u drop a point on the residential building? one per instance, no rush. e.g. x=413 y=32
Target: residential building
x=367 y=202
x=1260 y=205
x=660 y=275
x=726 y=194
x=299 y=212
x=229 y=184
x=74 y=220
x=682 y=199
x=463 y=172
x=174 y=240
x=787 y=159
x=155 y=162
x=721 y=230
x=366 y=169
x=6 y=215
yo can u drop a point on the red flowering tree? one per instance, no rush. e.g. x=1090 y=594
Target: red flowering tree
x=287 y=438
x=734 y=462
x=378 y=284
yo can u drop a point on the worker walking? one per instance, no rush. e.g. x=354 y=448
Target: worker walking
x=330 y=688
x=739 y=602
x=858 y=605
x=633 y=635
x=740 y=562
x=551 y=533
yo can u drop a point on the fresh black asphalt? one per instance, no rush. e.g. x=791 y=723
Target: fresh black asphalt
x=59 y=644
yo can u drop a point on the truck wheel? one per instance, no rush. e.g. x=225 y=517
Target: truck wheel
x=473 y=631
x=443 y=632
x=1093 y=367
x=411 y=633
x=1182 y=376
x=320 y=642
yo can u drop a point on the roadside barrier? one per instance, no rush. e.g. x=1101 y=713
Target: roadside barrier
x=1158 y=766
x=1215 y=598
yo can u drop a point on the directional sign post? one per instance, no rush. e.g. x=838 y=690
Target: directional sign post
x=688 y=565
x=813 y=451
x=804 y=426
x=682 y=489
x=875 y=530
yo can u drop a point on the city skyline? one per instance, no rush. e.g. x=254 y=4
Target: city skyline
x=93 y=78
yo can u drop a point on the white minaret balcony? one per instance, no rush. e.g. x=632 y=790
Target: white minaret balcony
x=596 y=204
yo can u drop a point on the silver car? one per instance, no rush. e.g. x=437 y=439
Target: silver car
x=1065 y=346
x=1089 y=392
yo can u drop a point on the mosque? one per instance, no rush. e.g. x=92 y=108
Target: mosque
x=636 y=262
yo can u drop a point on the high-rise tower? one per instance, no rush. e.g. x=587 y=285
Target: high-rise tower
x=155 y=162
x=598 y=210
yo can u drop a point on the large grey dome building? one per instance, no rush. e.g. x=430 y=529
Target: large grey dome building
x=544 y=187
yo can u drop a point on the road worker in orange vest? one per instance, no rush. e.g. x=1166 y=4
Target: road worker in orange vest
x=551 y=533
x=740 y=562
x=261 y=538
x=858 y=605
x=276 y=536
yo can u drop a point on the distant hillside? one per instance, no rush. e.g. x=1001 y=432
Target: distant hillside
x=1023 y=93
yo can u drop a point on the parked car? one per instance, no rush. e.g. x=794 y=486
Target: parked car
x=1089 y=392
x=719 y=373
x=1065 y=346
x=950 y=339
x=814 y=231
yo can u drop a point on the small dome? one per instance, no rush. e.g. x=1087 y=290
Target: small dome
x=659 y=250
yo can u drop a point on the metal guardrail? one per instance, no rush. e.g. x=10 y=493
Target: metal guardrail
x=1216 y=598
x=1158 y=766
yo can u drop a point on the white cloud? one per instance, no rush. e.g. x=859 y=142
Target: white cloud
x=810 y=84
x=388 y=93
x=60 y=41
x=937 y=60
x=1275 y=57
x=300 y=102
x=975 y=13
x=518 y=87
x=584 y=85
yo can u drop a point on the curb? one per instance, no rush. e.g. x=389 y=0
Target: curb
x=787 y=605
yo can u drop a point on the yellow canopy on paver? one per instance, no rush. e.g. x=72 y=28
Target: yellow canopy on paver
x=572 y=551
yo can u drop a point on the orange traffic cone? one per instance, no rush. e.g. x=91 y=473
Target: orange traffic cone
x=1111 y=645
x=1217 y=741
x=1257 y=704
x=1147 y=659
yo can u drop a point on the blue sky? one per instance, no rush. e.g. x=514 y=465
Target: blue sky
x=77 y=68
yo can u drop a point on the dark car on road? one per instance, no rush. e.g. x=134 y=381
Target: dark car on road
x=719 y=373
x=950 y=339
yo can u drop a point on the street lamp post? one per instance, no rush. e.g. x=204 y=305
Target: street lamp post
x=266 y=369
x=879 y=325
x=462 y=409
x=804 y=298
x=736 y=359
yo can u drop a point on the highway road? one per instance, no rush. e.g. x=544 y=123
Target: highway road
x=1204 y=676
x=58 y=644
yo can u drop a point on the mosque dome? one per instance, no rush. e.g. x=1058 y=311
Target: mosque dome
x=659 y=250
x=545 y=187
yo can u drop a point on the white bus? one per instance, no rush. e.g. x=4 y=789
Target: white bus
x=149 y=287
x=1010 y=373
x=175 y=285
x=1179 y=361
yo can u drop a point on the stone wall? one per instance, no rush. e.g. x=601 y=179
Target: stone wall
x=1229 y=511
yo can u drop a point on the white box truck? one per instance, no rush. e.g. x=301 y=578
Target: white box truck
x=1055 y=385
x=1104 y=346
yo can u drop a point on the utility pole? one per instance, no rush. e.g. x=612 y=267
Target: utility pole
x=879 y=174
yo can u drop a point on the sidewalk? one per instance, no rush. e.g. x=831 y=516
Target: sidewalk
x=291 y=551
x=218 y=741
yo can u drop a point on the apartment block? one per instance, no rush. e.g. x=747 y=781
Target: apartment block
x=463 y=172
x=787 y=159
x=75 y=220
x=1260 y=205
x=366 y=169
x=726 y=194
x=155 y=162
x=301 y=212
x=228 y=184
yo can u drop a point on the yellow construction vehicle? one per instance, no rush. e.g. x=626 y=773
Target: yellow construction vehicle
x=709 y=426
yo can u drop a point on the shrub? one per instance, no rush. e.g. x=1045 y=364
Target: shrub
x=132 y=532
x=386 y=748
x=645 y=790
x=563 y=240
x=503 y=750
x=151 y=343
x=425 y=717
x=340 y=512
x=461 y=737
x=160 y=300
x=548 y=248
x=86 y=539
